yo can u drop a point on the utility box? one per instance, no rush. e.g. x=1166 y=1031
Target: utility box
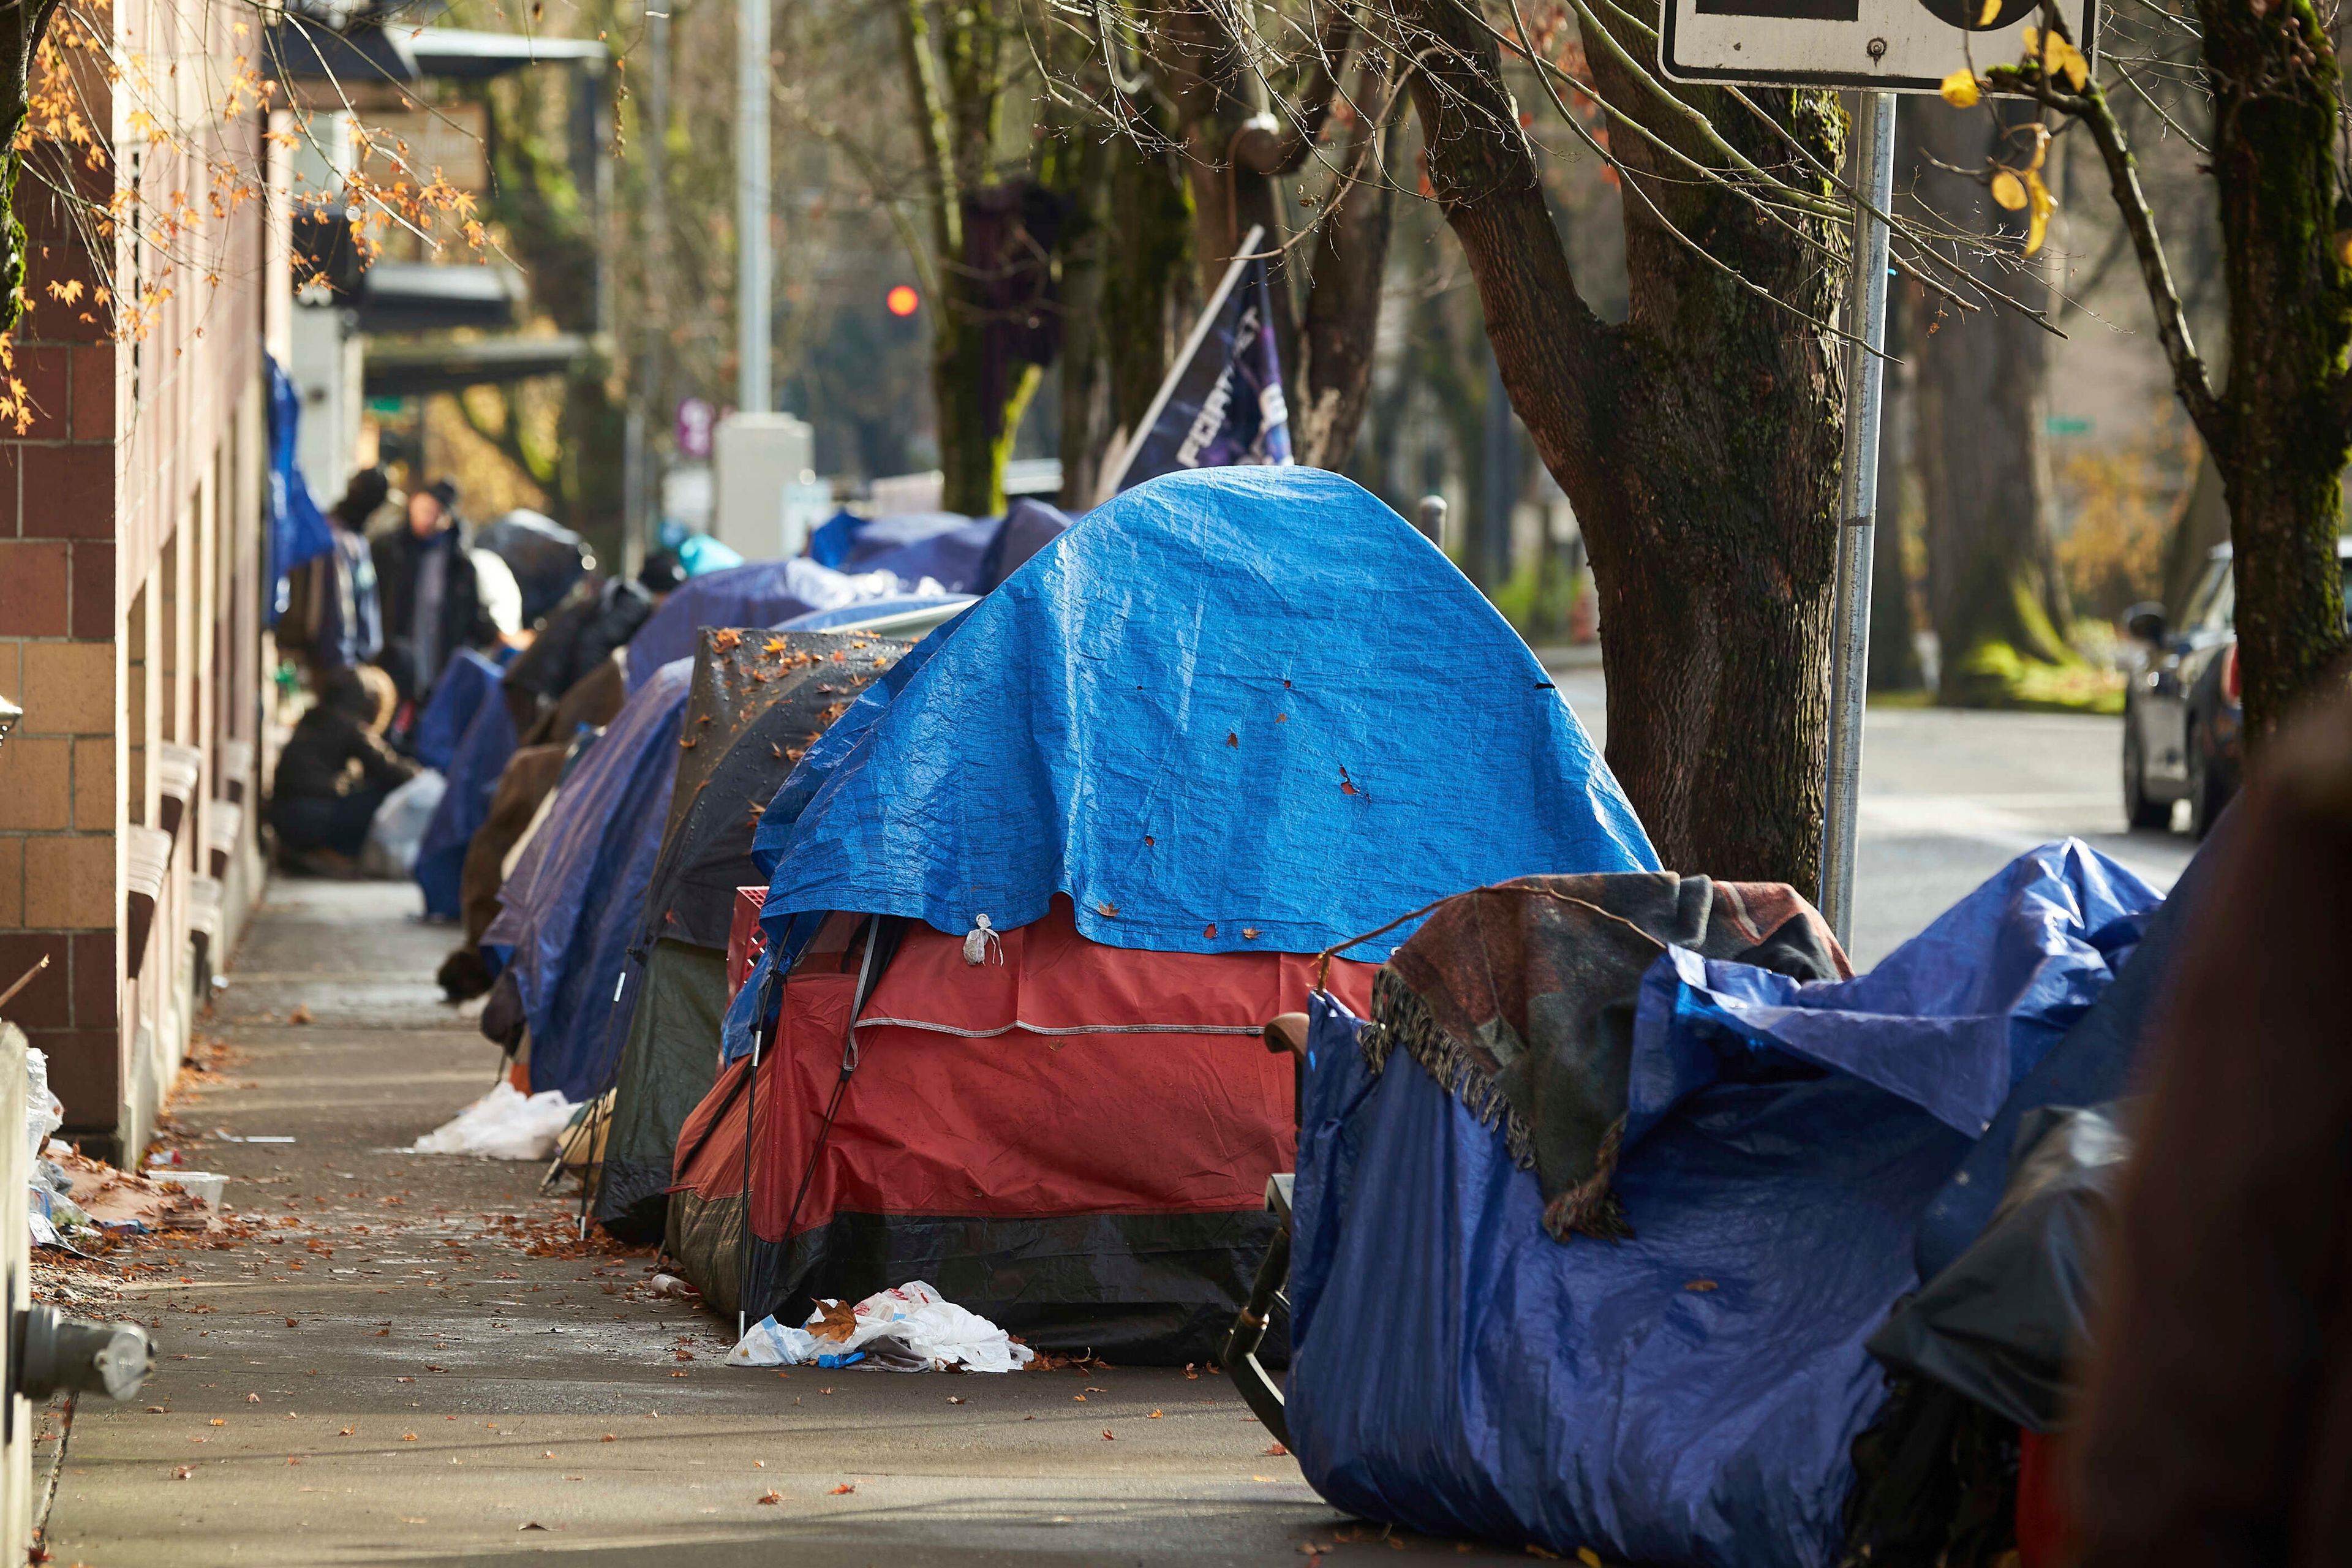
x=758 y=461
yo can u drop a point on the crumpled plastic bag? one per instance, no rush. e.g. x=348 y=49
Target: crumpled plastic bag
x=933 y=1329
x=502 y=1125
x=44 y=1111
x=398 y=830
x=768 y=1343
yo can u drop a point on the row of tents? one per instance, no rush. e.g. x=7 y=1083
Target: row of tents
x=1606 y=1177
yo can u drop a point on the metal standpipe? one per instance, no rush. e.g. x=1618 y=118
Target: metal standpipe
x=1866 y=318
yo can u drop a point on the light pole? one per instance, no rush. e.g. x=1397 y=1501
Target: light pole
x=753 y=393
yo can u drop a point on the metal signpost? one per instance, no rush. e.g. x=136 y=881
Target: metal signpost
x=1875 y=49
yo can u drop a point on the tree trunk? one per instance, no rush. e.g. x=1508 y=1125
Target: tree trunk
x=2284 y=411
x=1983 y=380
x=1698 y=444
x=1334 y=375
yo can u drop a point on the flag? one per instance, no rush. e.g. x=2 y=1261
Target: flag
x=1224 y=406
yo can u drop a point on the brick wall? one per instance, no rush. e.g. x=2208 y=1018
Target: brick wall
x=129 y=589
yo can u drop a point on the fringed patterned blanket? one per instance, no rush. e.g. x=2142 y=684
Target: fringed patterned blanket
x=1519 y=998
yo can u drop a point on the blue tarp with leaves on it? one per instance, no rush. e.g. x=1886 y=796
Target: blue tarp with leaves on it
x=593 y=855
x=1233 y=710
x=1689 y=1396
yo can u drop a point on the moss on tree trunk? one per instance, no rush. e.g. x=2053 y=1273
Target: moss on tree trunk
x=2274 y=76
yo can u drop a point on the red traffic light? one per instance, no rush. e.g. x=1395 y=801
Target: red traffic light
x=902 y=301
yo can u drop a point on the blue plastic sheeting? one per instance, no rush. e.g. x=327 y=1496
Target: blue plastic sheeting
x=1689 y=1396
x=760 y=594
x=587 y=861
x=848 y=614
x=1029 y=527
x=298 y=530
x=2094 y=1063
x=480 y=757
x=829 y=541
x=699 y=556
x=466 y=682
x=882 y=536
x=1233 y=710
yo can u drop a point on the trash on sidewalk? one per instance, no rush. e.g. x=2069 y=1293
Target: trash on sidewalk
x=71 y=1191
x=672 y=1286
x=227 y=1137
x=770 y=1343
x=502 y=1125
x=910 y=1329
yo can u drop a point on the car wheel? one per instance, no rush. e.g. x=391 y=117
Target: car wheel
x=2206 y=796
x=2139 y=811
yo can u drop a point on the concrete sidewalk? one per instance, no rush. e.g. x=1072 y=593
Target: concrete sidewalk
x=414 y=1361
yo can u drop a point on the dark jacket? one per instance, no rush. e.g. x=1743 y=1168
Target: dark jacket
x=317 y=762
x=398 y=556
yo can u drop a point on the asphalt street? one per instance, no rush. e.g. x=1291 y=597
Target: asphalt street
x=395 y=1357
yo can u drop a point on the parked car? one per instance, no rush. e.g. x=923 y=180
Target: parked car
x=2182 y=711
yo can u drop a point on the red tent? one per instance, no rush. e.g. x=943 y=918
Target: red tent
x=1073 y=1140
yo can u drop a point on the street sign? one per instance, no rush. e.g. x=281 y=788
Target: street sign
x=1885 y=45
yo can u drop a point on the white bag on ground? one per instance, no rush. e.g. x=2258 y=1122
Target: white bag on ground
x=399 y=826
x=937 y=1330
x=44 y=1111
x=502 y=1125
x=770 y=1343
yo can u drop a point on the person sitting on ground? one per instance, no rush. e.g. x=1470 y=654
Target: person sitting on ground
x=432 y=597
x=334 y=774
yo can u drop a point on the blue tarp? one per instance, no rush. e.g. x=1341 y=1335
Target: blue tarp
x=298 y=530
x=473 y=770
x=592 y=856
x=1233 y=710
x=1689 y=1396
x=466 y=682
x=961 y=555
x=760 y=594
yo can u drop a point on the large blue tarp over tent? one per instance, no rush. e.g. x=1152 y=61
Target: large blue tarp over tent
x=480 y=755
x=1235 y=709
x=466 y=682
x=1689 y=1396
x=759 y=595
x=590 y=857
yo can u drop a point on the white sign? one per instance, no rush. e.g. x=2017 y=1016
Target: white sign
x=1886 y=46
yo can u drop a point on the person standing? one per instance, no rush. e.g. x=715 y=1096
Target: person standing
x=432 y=599
x=334 y=618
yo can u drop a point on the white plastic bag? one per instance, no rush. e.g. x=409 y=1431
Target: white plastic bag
x=770 y=1343
x=933 y=1328
x=399 y=826
x=502 y=1125
x=44 y=1111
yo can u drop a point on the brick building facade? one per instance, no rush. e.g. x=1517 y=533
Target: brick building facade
x=132 y=585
